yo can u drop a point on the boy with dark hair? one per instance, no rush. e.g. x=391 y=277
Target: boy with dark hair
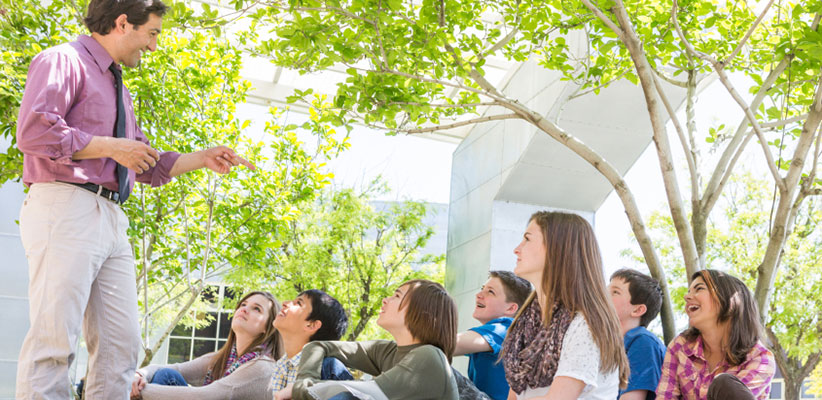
x=313 y=315
x=497 y=303
x=637 y=299
x=83 y=151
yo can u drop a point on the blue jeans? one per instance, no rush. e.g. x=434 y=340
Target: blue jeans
x=334 y=370
x=344 y=396
x=168 y=377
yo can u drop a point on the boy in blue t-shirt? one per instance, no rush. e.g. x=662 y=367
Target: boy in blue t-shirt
x=497 y=303
x=637 y=298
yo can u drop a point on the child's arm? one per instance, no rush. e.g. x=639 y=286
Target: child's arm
x=564 y=388
x=422 y=374
x=634 y=395
x=367 y=357
x=470 y=342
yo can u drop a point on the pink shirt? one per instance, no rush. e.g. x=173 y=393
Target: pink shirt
x=685 y=373
x=70 y=98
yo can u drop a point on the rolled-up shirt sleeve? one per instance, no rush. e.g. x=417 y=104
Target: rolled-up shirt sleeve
x=160 y=173
x=53 y=81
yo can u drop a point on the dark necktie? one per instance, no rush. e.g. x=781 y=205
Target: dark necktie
x=120 y=132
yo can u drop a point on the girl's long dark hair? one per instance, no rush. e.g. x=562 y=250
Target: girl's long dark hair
x=738 y=308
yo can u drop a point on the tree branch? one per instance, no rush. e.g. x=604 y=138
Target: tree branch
x=604 y=18
x=616 y=78
x=723 y=166
x=149 y=353
x=686 y=148
x=688 y=46
x=434 y=81
x=660 y=135
x=327 y=9
x=729 y=171
x=748 y=34
x=502 y=41
x=459 y=105
x=459 y=124
x=775 y=124
x=766 y=272
x=723 y=77
x=672 y=81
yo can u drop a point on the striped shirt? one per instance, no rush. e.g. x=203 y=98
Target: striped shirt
x=686 y=375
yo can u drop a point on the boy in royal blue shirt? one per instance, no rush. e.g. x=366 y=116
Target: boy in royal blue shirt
x=637 y=299
x=497 y=303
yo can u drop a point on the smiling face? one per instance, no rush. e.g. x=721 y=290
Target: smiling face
x=491 y=302
x=531 y=255
x=251 y=317
x=294 y=315
x=700 y=306
x=138 y=39
x=391 y=317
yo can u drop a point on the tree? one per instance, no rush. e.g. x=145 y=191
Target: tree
x=24 y=33
x=355 y=250
x=415 y=68
x=734 y=243
x=202 y=224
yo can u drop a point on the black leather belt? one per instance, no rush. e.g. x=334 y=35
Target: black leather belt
x=99 y=190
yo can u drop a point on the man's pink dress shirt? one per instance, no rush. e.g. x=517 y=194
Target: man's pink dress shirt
x=69 y=99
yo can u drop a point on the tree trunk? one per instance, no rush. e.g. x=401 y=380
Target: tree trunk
x=792 y=389
x=794 y=371
x=150 y=352
x=766 y=273
x=699 y=223
x=647 y=82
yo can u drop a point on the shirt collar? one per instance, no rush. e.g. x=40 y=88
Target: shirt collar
x=500 y=320
x=97 y=51
x=293 y=361
x=694 y=348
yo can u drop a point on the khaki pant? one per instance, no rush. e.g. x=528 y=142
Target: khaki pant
x=81 y=273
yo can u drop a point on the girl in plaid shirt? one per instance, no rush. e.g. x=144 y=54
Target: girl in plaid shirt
x=720 y=356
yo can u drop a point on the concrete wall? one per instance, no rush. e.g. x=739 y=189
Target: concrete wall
x=13 y=286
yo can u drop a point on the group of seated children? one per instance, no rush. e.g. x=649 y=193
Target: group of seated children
x=565 y=339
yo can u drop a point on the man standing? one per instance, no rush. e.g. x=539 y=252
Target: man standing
x=82 y=152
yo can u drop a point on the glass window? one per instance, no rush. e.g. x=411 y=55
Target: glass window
x=776 y=390
x=806 y=387
x=230 y=298
x=225 y=325
x=203 y=347
x=181 y=330
x=211 y=294
x=187 y=343
x=210 y=330
x=179 y=350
